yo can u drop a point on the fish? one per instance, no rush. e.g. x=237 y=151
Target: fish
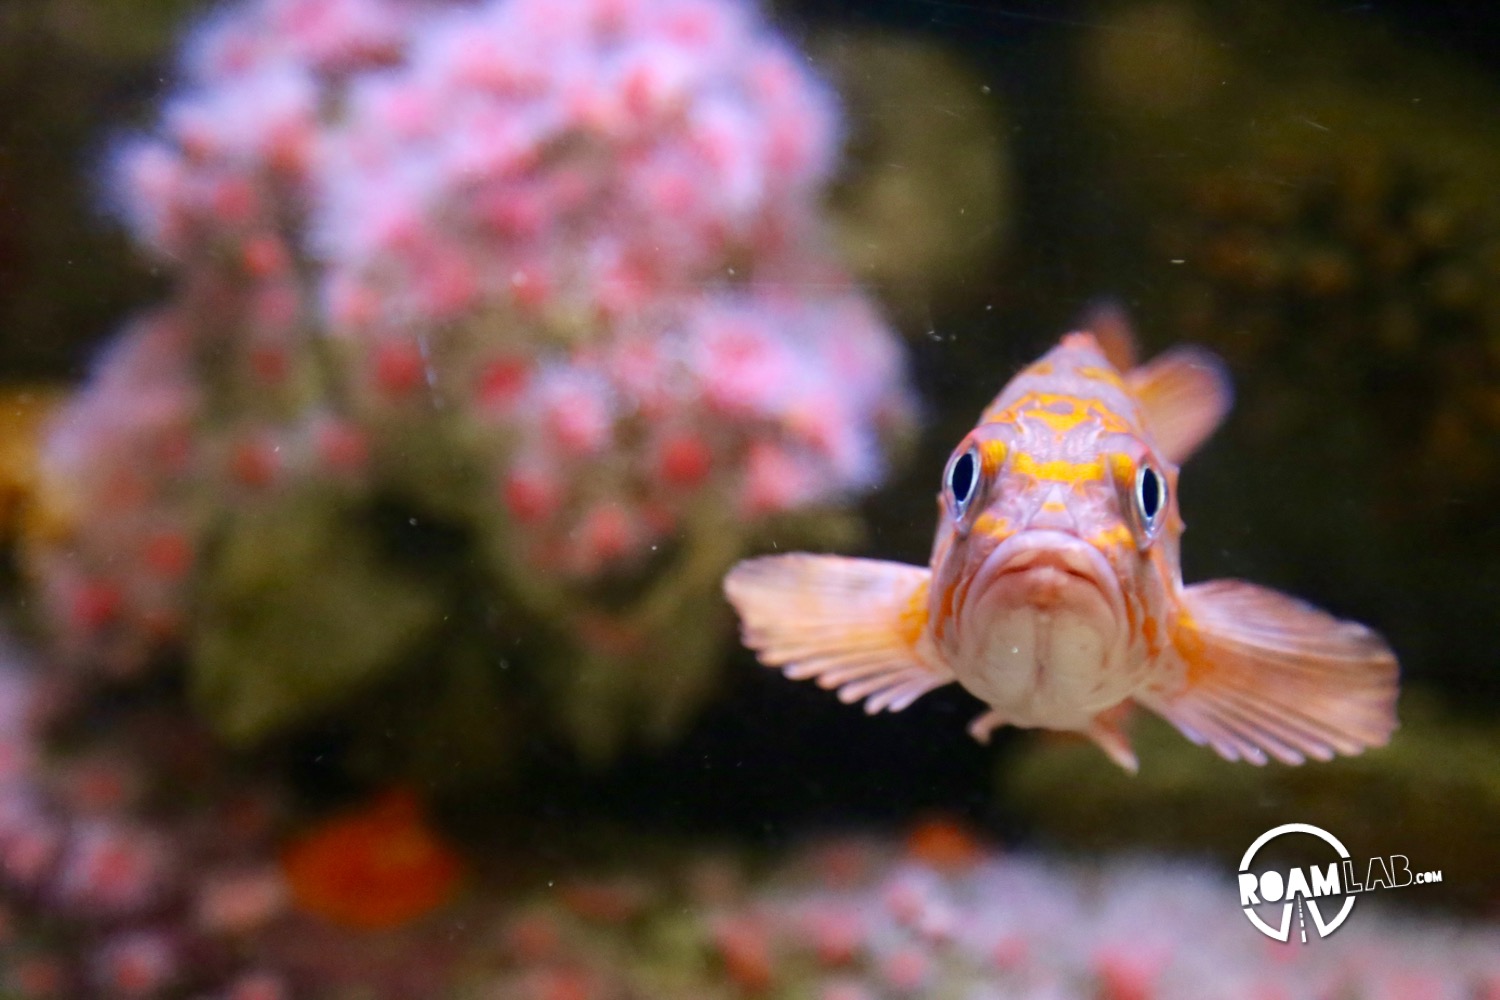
x=1054 y=591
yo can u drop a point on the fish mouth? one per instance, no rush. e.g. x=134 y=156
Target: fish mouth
x=1047 y=571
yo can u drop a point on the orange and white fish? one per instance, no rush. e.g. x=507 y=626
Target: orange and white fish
x=1055 y=592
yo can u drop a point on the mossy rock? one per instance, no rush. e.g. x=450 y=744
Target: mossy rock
x=1433 y=795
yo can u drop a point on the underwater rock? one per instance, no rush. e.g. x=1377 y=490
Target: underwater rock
x=1433 y=794
x=922 y=209
x=107 y=30
x=70 y=69
x=497 y=333
x=350 y=615
x=1323 y=221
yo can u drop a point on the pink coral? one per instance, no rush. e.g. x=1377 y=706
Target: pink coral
x=136 y=964
x=110 y=868
x=1016 y=926
x=104 y=878
x=555 y=273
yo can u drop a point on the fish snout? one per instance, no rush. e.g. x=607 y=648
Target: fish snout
x=1048 y=570
x=1038 y=629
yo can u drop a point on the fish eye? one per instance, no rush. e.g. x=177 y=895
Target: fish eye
x=1151 y=498
x=963 y=479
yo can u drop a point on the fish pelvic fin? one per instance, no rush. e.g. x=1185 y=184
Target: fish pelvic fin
x=1185 y=394
x=1270 y=676
x=984 y=726
x=857 y=625
x=1108 y=733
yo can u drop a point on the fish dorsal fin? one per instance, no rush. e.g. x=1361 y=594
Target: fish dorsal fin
x=1267 y=674
x=1185 y=395
x=851 y=624
x=1110 y=325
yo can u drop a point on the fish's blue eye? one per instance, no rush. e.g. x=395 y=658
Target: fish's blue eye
x=963 y=478
x=1151 y=497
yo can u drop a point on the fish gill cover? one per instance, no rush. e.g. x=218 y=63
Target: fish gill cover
x=496 y=331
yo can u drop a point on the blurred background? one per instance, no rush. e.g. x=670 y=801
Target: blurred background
x=386 y=386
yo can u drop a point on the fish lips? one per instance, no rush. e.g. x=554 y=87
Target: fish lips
x=1049 y=571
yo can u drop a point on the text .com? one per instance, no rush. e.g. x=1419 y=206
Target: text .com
x=1393 y=872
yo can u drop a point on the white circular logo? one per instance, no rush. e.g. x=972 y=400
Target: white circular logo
x=1295 y=889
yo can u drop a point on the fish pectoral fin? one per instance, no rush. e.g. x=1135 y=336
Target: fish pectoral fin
x=1108 y=732
x=1185 y=394
x=1268 y=674
x=850 y=624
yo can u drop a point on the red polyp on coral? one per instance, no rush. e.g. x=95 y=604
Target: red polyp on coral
x=554 y=275
x=111 y=869
x=137 y=964
x=686 y=460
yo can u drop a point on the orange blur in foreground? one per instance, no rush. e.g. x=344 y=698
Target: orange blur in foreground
x=377 y=866
x=945 y=843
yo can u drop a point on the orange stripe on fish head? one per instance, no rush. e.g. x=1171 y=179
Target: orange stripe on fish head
x=1063 y=413
x=992 y=455
x=1075 y=475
